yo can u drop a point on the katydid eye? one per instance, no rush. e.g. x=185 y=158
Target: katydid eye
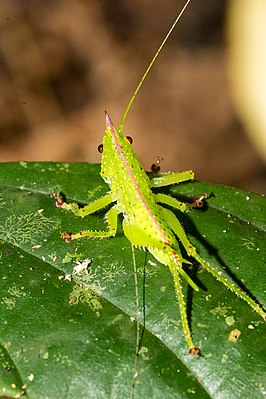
x=100 y=148
x=129 y=139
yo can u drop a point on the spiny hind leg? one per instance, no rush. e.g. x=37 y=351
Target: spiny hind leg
x=111 y=219
x=193 y=350
x=175 y=225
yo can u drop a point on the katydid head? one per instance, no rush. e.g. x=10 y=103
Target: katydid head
x=116 y=150
x=113 y=138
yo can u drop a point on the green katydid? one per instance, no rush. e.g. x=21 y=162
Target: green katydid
x=146 y=223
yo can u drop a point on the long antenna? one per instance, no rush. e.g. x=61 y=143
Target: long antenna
x=121 y=126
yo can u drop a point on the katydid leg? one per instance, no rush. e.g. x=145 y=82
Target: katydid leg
x=176 y=227
x=90 y=208
x=166 y=179
x=173 y=202
x=182 y=308
x=111 y=219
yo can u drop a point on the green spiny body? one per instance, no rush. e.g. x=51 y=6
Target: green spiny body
x=146 y=223
x=130 y=189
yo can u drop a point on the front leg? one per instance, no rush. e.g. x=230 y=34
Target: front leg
x=166 y=179
x=86 y=210
x=111 y=219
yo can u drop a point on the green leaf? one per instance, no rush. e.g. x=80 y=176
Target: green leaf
x=75 y=338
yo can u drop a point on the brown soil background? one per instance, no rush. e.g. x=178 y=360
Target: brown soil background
x=63 y=62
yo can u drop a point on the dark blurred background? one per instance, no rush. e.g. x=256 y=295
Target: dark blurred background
x=63 y=62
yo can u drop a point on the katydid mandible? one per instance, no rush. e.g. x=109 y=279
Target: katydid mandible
x=146 y=223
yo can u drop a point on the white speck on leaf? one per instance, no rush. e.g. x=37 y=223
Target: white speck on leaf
x=36 y=246
x=31 y=377
x=251 y=327
x=81 y=266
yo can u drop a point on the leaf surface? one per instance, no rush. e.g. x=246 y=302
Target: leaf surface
x=66 y=338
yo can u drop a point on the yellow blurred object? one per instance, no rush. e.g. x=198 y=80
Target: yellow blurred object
x=247 y=60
